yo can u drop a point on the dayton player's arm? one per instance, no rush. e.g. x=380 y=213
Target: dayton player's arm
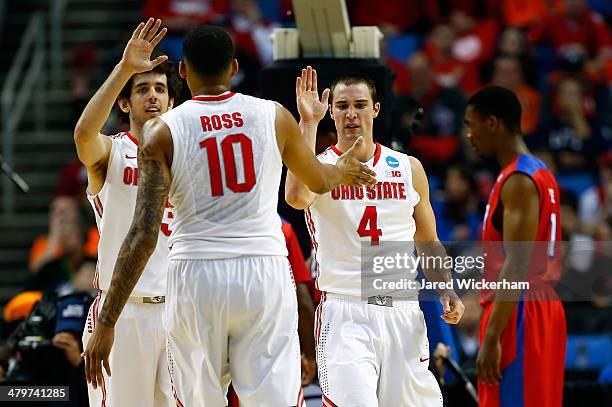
x=521 y=213
x=93 y=147
x=301 y=161
x=427 y=242
x=154 y=161
x=312 y=110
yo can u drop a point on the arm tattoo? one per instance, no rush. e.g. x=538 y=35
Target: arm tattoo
x=140 y=242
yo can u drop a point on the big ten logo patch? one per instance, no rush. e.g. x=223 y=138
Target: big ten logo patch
x=393 y=174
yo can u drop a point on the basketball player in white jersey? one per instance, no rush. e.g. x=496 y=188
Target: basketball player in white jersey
x=231 y=304
x=143 y=89
x=370 y=351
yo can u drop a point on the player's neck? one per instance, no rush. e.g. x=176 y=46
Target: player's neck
x=135 y=130
x=509 y=150
x=210 y=90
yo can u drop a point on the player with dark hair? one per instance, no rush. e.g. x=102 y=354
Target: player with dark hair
x=372 y=350
x=522 y=333
x=231 y=308
x=143 y=89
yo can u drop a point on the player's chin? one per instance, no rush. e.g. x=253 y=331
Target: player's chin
x=352 y=134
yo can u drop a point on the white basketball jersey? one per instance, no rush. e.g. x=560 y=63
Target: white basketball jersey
x=114 y=210
x=341 y=220
x=226 y=171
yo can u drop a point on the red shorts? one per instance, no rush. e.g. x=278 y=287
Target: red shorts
x=533 y=357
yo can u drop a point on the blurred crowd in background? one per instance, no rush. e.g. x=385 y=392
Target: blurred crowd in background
x=556 y=55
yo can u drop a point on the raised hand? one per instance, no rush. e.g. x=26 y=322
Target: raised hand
x=355 y=172
x=307 y=95
x=137 y=53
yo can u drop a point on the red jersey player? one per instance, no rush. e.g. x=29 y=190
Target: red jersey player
x=522 y=334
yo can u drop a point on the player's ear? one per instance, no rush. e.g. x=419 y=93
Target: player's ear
x=492 y=122
x=170 y=103
x=124 y=105
x=182 y=70
x=376 y=109
x=235 y=66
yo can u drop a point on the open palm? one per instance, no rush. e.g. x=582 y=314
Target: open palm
x=137 y=53
x=308 y=103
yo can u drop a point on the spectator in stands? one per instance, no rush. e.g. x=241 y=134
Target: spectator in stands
x=437 y=142
x=63 y=212
x=180 y=16
x=572 y=138
x=251 y=32
x=476 y=37
x=512 y=42
x=507 y=72
x=595 y=204
x=456 y=208
x=449 y=72
x=74 y=269
x=577 y=25
x=72 y=182
x=439 y=11
x=524 y=13
x=46 y=348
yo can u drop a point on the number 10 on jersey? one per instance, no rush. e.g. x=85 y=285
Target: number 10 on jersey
x=229 y=163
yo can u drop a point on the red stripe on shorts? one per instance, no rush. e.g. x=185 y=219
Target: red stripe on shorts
x=327 y=402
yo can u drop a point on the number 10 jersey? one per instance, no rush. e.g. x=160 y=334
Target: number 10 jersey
x=226 y=171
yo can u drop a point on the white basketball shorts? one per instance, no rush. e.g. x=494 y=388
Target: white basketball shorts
x=372 y=355
x=233 y=319
x=138 y=361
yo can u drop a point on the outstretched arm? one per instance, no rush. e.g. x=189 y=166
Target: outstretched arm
x=92 y=147
x=427 y=242
x=301 y=161
x=153 y=185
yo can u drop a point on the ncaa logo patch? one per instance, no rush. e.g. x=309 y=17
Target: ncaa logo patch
x=392 y=162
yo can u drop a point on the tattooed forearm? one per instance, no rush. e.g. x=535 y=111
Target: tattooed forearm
x=140 y=242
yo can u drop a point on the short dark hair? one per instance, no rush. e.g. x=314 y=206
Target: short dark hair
x=175 y=84
x=209 y=50
x=499 y=102
x=354 y=79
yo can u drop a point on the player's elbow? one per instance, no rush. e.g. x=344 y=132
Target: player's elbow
x=82 y=133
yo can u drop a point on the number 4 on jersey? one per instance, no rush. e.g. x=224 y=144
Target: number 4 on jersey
x=368 y=225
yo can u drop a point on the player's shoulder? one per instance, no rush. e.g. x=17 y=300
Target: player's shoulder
x=529 y=164
x=327 y=156
x=123 y=143
x=123 y=138
x=395 y=158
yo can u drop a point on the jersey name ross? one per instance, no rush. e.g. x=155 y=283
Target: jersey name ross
x=217 y=122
